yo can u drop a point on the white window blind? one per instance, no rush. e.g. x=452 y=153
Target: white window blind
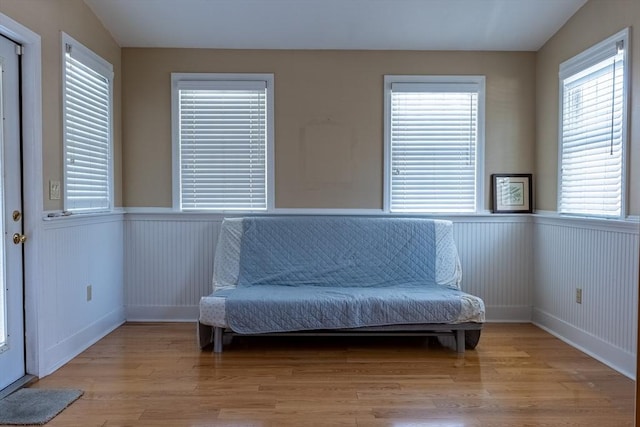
x=223 y=145
x=433 y=137
x=593 y=132
x=87 y=129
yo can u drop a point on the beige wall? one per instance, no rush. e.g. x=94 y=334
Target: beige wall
x=48 y=18
x=594 y=22
x=320 y=92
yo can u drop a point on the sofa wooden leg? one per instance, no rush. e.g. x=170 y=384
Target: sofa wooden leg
x=460 y=341
x=217 y=339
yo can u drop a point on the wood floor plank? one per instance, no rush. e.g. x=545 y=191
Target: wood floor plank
x=155 y=375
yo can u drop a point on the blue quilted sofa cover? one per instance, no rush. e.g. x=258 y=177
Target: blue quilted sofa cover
x=309 y=273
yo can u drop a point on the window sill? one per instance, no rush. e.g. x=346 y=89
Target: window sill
x=628 y=224
x=65 y=216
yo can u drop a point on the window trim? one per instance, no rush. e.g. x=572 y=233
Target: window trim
x=105 y=69
x=480 y=82
x=578 y=63
x=181 y=78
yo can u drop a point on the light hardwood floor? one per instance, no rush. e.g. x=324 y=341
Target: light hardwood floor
x=154 y=375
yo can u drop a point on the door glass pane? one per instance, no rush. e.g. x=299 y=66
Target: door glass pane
x=3 y=287
x=3 y=317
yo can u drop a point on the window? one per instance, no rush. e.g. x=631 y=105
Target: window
x=434 y=133
x=87 y=97
x=593 y=94
x=222 y=132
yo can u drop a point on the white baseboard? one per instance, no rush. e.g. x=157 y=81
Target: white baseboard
x=70 y=347
x=162 y=313
x=508 y=314
x=612 y=356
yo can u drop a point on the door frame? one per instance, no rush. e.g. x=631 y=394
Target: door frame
x=32 y=187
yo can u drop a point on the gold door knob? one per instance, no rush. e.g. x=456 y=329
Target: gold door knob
x=19 y=238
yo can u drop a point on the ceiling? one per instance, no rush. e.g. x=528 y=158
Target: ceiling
x=513 y=25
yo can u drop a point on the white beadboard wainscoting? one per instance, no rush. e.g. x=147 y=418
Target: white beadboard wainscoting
x=496 y=254
x=601 y=258
x=525 y=267
x=156 y=266
x=76 y=252
x=169 y=264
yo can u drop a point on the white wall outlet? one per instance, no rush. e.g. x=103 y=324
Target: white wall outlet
x=579 y=295
x=54 y=190
x=89 y=293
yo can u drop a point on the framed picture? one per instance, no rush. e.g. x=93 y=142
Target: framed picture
x=511 y=193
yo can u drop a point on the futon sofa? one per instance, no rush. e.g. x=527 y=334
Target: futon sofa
x=332 y=274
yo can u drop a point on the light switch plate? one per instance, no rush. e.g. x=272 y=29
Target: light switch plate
x=54 y=190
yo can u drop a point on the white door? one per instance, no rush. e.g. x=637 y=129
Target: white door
x=12 y=351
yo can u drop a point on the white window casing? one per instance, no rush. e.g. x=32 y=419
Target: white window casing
x=593 y=130
x=434 y=144
x=222 y=142
x=87 y=97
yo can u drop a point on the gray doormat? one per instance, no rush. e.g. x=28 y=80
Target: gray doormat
x=30 y=406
